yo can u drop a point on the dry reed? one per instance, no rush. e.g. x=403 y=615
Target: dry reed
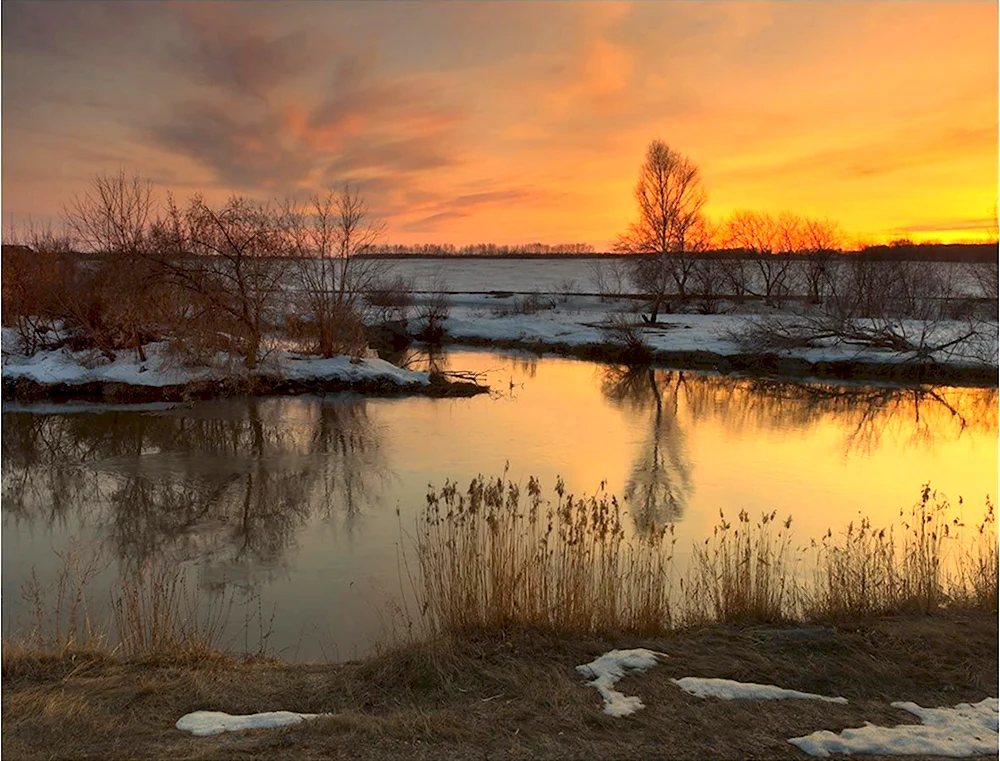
x=742 y=574
x=155 y=613
x=489 y=558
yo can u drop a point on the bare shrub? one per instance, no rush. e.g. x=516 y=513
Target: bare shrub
x=623 y=333
x=332 y=274
x=29 y=288
x=986 y=276
x=389 y=299
x=736 y=275
x=432 y=313
x=708 y=284
x=898 y=307
x=533 y=303
x=608 y=277
x=112 y=219
x=565 y=289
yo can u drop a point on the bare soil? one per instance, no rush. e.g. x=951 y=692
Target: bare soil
x=504 y=695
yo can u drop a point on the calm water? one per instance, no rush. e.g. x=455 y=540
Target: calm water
x=290 y=504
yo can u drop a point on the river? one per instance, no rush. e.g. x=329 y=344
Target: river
x=297 y=510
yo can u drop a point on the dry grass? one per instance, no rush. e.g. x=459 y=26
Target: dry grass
x=62 y=614
x=513 y=695
x=742 y=574
x=930 y=560
x=150 y=612
x=490 y=558
x=154 y=612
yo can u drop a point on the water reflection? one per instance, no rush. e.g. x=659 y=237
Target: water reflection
x=659 y=484
x=228 y=483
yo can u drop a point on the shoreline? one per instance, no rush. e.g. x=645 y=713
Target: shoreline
x=507 y=694
x=768 y=365
x=772 y=366
x=27 y=390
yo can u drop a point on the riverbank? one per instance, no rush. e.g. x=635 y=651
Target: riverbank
x=580 y=326
x=505 y=695
x=64 y=375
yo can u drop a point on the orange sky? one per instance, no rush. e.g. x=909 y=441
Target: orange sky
x=513 y=122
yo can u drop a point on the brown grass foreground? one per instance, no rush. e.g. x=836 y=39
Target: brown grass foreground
x=515 y=595
x=510 y=695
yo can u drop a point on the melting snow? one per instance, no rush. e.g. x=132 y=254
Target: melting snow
x=727 y=689
x=964 y=730
x=202 y=723
x=611 y=667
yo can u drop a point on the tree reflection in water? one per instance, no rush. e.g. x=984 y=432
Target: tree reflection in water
x=660 y=482
x=227 y=483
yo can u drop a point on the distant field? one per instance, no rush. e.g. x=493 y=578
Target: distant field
x=573 y=275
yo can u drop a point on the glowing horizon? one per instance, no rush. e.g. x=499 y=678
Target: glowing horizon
x=514 y=122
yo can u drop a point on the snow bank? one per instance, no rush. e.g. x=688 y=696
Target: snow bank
x=727 y=689
x=578 y=321
x=159 y=369
x=611 y=667
x=203 y=723
x=304 y=367
x=965 y=730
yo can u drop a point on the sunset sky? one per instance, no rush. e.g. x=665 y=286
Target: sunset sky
x=513 y=122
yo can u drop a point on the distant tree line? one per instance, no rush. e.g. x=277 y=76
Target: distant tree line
x=480 y=249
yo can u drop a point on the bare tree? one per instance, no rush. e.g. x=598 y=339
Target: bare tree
x=234 y=267
x=670 y=197
x=331 y=275
x=761 y=235
x=112 y=220
x=986 y=275
x=820 y=239
x=114 y=214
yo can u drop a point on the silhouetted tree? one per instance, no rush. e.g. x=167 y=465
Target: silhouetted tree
x=670 y=197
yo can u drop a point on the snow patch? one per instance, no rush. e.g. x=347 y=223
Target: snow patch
x=204 y=723
x=965 y=730
x=727 y=689
x=611 y=667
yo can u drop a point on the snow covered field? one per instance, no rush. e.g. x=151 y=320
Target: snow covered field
x=576 y=275
x=555 y=301
x=582 y=320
